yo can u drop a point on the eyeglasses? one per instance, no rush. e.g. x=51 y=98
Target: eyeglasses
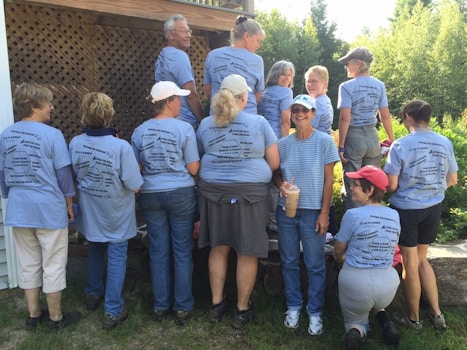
x=355 y=184
x=183 y=31
x=300 y=110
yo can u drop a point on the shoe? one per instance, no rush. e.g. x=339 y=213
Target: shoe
x=292 y=318
x=93 y=301
x=390 y=334
x=33 y=322
x=182 y=317
x=353 y=339
x=242 y=318
x=111 y=321
x=438 y=321
x=160 y=315
x=68 y=319
x=316 y=325
x=217 y=312
x=404 y=321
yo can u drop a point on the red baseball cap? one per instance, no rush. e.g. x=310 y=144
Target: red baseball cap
x=374 y=175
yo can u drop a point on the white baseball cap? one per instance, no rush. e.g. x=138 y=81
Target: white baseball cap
x=164 y=89
x=236 y=84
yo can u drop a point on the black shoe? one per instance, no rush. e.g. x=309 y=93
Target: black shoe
x=217 y=312
x=390 y=334
x=111 y=321
x=242 y=318
x=67 y=320
x=93 y=301
x=353 y=339
x=160 y=315
x=182 y=317
x=33 y=322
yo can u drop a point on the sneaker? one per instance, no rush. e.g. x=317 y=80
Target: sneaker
x=404 y=321
x=390 y=334
x=218 y=311
x=291 y=318
x=68 y=319
x=353 y=339
x=93 y=301
x=182 y=317
x=33 y=322
x=316 y=325
x=160 y=315
x=242 y=318
x=438 y=321
x=111 y=321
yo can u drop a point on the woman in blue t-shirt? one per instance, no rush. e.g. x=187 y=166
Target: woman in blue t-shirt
x=420 y=167
x=239 y=153
x=365 y=244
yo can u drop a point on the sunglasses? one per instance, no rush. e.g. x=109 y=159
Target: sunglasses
x=300 y=110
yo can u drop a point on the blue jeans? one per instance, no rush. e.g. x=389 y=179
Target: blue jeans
x=170 y=217
x=291 y=232
x=116 y=268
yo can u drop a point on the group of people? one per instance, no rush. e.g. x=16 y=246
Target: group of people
x=232 y=170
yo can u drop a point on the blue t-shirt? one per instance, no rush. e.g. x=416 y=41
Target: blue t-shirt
x=364 y=95
x=228 y=60
x=107 y=174
x=275 y=100
x=324 y=114
x=421 y=160
x=174 y=65
x=304 y=162
x=371 y=233
x=31 y=153
x=163 y=147
x=236 y=152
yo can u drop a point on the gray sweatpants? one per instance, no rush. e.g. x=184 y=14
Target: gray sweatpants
x=362 y=290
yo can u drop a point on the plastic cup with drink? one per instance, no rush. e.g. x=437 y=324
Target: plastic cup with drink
x=291 y=201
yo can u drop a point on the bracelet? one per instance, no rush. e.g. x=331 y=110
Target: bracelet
x=341 y=149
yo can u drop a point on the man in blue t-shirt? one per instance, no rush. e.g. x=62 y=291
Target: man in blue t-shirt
x=173 y=64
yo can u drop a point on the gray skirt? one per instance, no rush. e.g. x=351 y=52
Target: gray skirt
x=235 y=215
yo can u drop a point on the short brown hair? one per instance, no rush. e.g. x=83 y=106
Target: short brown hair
x=28 y=96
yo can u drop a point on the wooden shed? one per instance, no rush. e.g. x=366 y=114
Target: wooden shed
x=77 y=46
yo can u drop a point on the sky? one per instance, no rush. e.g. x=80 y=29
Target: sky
x=350 y=16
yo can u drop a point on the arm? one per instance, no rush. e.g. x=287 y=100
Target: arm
x=65 y=182
x=258 y=96
x=5 y=189
x=387 y=122
x=207 y=90
x=393 y=183
x=285 y=123
x=193 y=100
x=339 y=251
x=451 y=179
x=344 y=122
x=322 y=223
x=193 y=167
x=272 y=156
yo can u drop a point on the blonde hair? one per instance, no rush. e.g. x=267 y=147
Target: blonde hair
x=224 y=105
x=97 y=110
x=28 y=96
x=322 y=71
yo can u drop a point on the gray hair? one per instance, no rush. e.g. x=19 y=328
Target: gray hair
x=244 y=25
x=169 y=24
x=277 y=69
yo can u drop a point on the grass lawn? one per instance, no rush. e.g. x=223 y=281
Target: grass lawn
x=139 y=331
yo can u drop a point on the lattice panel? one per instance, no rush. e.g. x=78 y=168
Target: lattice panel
x=68 y=53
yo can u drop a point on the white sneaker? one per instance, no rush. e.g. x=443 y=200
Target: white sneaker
x=316 y=325
x=291 y=319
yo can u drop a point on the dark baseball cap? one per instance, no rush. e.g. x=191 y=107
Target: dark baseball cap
x=359 y=53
